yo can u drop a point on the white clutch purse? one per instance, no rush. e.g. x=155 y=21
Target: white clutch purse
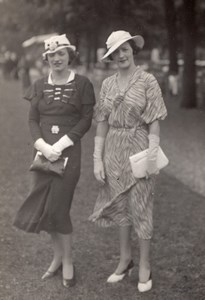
x=139 y=162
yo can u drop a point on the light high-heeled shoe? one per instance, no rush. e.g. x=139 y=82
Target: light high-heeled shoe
x=50 y=274
x=67 y=283
x=145 y=286
x=118 y=277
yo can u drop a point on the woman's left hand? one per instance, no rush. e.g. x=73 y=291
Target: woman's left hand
x=152 y=168
x=99 y=171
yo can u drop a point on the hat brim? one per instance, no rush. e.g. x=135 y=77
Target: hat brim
x=73 y=48
x=138 y=39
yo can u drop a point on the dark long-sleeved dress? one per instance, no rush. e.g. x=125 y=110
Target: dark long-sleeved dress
x=56 y=110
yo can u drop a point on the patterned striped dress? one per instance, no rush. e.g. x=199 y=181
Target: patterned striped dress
x=125 y=200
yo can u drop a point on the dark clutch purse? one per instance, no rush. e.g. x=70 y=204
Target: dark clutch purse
x=41 y=163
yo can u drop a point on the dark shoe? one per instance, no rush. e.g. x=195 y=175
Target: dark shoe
x=50 y=274
x=145 y=286
x=67 y=283
x=118 y=277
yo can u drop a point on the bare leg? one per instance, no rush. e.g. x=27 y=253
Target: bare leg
x=57 y=253
x=66 y=244
x=144 y=264
x=125 y=249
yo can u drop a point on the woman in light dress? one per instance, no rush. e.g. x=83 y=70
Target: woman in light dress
x=127 y=114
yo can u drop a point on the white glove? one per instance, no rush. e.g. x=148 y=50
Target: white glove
x=152 y=154
x=47 y=150
x=99 y=171
x=63 y=143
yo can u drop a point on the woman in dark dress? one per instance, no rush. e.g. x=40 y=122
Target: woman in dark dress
x=60 y=114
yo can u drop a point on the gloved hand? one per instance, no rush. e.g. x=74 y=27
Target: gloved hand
x=99 y=171
x=152 y=154
x=63 y=143
x=47 y=150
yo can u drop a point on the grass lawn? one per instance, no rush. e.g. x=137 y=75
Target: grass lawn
x=178 y=250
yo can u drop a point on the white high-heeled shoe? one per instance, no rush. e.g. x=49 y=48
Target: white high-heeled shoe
x=50 y=274
x=145 y=286
x=118 y=277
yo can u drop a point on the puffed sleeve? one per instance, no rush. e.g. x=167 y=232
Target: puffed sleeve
x=101 y=111
x=35 y=90
x=155 y=108
x=88 y=93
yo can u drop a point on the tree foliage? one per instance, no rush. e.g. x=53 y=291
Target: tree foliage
x=21 y=19
x=89 y=22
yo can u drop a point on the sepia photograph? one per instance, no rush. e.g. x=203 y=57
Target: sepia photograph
x=102 y=150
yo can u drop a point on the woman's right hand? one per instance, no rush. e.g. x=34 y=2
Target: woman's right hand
x=47 y=150
x=50 y=153
x=99 y=171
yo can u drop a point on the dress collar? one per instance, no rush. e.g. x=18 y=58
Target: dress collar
x=132 y=79
x=70 y=78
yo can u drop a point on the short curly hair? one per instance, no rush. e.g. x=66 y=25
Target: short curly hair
x=72 y=55
x=134 y=47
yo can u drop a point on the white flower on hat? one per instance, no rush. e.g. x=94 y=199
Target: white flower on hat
x=56 y=43
x=117 y=38
x=52 y=45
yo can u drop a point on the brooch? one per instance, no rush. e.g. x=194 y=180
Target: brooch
x=55 y=129
x=119 y=99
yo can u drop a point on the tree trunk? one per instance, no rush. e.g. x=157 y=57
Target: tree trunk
x=62 y=19
x=89 y=50
x=95 y=47
x=189 y=72
x=121 y=14
x=170 y=15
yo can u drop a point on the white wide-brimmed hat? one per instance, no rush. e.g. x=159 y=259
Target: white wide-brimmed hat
x=56 y=43
x=118 y=38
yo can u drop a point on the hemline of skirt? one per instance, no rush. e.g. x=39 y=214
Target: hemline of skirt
x=34 y=229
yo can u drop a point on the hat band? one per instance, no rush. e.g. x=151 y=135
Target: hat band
x=58 y=45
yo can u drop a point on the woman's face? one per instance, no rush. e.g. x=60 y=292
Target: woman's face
x=58 y=60
x=123 y=56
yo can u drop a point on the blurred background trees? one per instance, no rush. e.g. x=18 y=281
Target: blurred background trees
x=175 y=27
